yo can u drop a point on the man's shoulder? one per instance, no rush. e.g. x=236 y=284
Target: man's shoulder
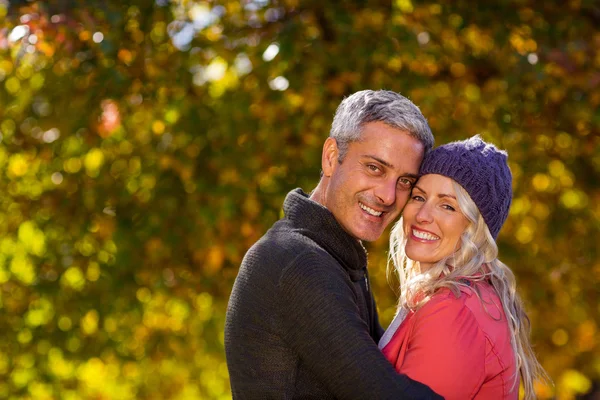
x=284 y=243
x=291 y=251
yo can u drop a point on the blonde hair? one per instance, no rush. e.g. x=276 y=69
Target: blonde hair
x=475 y=260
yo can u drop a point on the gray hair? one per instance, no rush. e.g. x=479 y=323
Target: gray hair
x=385 y=106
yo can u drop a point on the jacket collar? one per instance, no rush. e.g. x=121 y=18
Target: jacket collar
x=316 y=222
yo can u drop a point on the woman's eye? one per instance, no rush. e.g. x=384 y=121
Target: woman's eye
x=417 y=198
x=449 y=207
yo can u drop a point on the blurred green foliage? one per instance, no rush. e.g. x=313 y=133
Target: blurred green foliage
x=146 y=145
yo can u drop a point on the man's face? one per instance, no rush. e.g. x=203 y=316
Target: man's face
x=370 y=187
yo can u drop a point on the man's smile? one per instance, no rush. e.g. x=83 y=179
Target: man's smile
x=369 y=210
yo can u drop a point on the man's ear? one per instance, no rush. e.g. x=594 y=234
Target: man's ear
x=329 y=158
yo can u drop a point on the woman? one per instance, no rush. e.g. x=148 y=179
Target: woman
x=460 y=327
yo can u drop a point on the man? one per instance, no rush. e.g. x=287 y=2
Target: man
x=301 y=321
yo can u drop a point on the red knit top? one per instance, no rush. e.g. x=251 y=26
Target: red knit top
x=459 y=347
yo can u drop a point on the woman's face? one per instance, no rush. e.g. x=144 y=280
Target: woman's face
x=433 y=222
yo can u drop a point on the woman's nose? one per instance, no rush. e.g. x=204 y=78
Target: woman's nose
x=424 y=214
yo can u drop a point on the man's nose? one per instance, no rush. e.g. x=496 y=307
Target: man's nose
x=386 y=193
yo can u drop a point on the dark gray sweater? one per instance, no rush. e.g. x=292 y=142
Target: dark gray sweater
x=301 y=321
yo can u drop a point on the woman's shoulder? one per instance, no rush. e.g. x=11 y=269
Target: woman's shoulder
x=477 y=301
x=470 y=300
x=457 y=296
x=467 y=287
x=446 y=302
x=449 y=313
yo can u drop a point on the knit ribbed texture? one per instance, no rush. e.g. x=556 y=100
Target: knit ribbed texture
x=301 y=321
x=482 y=170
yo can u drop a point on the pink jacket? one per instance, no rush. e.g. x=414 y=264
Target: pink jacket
x=459 y=347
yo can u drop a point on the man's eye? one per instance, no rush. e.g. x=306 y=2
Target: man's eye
x=405 y=183
x=373 y=168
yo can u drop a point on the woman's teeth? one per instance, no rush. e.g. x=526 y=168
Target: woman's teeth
x=424 y=235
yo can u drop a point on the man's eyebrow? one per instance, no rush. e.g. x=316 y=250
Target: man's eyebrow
x=379 y=160
x=388 y=165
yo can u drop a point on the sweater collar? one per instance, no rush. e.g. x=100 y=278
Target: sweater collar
x=318 y=223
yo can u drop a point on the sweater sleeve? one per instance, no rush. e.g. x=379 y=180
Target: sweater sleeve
x=379 y=331
x=446 y=349
x=321 y=322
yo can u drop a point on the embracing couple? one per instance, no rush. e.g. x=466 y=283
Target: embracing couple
x=302 y=321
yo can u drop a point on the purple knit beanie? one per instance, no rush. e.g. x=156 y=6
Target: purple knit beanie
x=482 y=170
